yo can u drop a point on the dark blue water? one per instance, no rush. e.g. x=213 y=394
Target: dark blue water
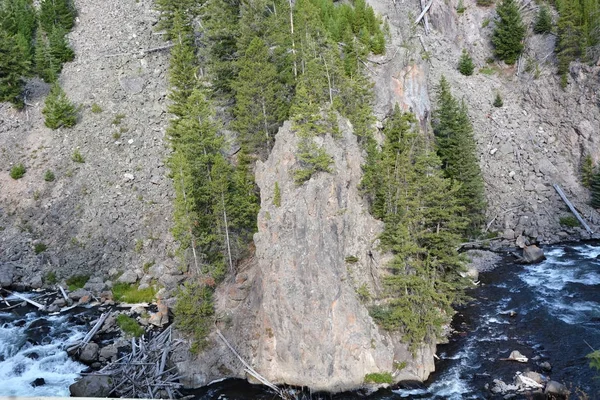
x=556 y=310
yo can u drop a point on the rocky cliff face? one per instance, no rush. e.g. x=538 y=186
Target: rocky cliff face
x=113 y=212
x=297 y=315
x=538 y=138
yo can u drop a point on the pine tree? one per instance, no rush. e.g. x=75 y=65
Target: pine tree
x=59 y=48
x=465 y=64
x=458 y=152
x=12 y=68
x=58 y=109
x=46 y=66
x=568 y=47
x=587 y=171
x=422 y=224
x=509 y=32
x=543 y=21
x=260 y=105
x=498 y=100
x=183 y=69
x=59 y=13
x=596 y=190
x=17 y=18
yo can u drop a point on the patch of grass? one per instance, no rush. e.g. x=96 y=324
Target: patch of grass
x=139 y=245
x=569 y=221
x=363 y=293
x=399 y=365
x=379 y=377
x=126 y=293
x=49 y=176
x=96 y=109
x=485 y=22
x=129 y=325
x=118 y=119
x=351 y=259
x=50 y=278
x=77 y=157
x=77 y=282
x=116 y=135
x=487 y=71
x=147 y=265
x=39 y=248
x=36 y=195
x=18 y=171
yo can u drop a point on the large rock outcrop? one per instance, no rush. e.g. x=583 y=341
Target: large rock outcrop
x=302 y=320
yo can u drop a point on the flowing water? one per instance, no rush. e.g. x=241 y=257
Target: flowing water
x=32 y=348
x=548 y=311
x=556 y=310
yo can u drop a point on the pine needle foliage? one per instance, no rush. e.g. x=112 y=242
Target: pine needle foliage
x=457 y=150
x=465 y=64
x=58 y=110
x=509 y=33
x=587 y=171
x=543 y=21
x=498 y=102
x=596 y=190
x=423 y=220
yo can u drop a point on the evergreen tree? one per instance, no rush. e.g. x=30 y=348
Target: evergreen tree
x=569 y=44
x=60 y=13
x=260 y=107
x=17 y=18
x=498 y=100
x=58 y=109
x=422 y=224
x=183 y=68
x=458 y=152
x=12 y=68
x=509 y=32
x=46 y=66
x=596 y=190
x=59 y=48
x=465 y=64
x=587 y=171
x=543 y=21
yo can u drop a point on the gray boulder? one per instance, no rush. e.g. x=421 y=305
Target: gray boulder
x=91 y=386
x=78 y=294
x=533 y=254
x=128 y=277
x=556 y=389
x=7 y=274
x=89 y=353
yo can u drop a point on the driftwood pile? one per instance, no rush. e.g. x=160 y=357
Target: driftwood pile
x=143 y=373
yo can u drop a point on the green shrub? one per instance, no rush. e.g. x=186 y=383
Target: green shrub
x=39 y=248
x=50 y=278
x=18 y=171
x=465 y=64
x=485 y=3
x=96 y=109
x=587 y=171
x=59 y=110
x=351 y=259
x=77 y=157
x=487 y=71
x=569 y=221
x=77 y=282
x=127 y=293
x=129 y=325
x=277 y=195
x=194 y=312
x=498 y=101
x=312 y=159
x=543 y=22
x=118 y=119
x=363 y=293
x=379 y=377
x=49 y=176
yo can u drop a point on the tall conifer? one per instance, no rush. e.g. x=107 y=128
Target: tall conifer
x=509 y=32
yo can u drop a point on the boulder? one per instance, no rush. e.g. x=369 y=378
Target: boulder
x=78 y=294
x=546 y=366
x=7 y=274
x=89 y=353
x=533 y=254
x=161 y=317
x=526 y=382
x=91 y=386
x=108 y=353
x=556 y=389
x=516 y=355
x=534 y=376
x=128 y=276
x=38 y=382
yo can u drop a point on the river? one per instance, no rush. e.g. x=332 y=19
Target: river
x=550 y=312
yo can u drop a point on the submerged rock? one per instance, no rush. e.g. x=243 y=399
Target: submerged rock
x=556 y=389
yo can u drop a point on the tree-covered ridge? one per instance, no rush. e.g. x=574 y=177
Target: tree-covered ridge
x=423 y=224
x=32 y=42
